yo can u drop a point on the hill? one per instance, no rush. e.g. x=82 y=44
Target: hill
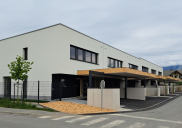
x=174 y=67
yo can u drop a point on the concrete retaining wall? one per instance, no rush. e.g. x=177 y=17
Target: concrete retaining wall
x=162 y=88
x=111 y=98
x=153 y=91
x=134 y=93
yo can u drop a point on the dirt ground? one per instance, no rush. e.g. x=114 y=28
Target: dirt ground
x=74 y=108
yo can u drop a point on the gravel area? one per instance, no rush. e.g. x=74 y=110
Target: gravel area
x=74 y=108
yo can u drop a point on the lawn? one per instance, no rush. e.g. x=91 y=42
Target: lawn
x=21 y=105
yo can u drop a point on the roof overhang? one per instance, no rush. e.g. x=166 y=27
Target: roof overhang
x=129 y=73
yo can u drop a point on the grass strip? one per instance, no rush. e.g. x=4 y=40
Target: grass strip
x=21 y=105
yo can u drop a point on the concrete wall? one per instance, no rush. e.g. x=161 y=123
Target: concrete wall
x=134 y=93
x=162 y=89
x=111 y=98
x=153 y=91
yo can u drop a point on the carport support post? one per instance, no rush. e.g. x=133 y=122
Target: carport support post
x=90 y=79
x=126 y=85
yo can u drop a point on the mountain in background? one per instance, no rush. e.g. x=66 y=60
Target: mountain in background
x=174 y=67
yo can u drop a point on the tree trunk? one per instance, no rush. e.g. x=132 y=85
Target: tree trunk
x=17 y=90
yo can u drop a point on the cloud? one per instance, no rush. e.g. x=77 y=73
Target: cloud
x=148 y=29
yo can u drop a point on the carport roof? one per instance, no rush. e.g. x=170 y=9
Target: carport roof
x=127 y=72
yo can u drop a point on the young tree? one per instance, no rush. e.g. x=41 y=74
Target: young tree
x=19 y=70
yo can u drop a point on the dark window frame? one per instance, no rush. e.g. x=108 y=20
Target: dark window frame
x=84 y=55
x=133 y=66
x=153 y=71
x=114 y=63
x=160 y=73
x=25 y=53
x=147 y=69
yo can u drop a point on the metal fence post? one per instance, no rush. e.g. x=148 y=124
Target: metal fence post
x=38 y=92
x=23 y=90
x=14 y=93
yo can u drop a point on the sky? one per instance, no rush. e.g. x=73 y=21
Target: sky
x=150 y=29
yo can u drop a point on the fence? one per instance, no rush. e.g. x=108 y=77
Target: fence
x=31 y=90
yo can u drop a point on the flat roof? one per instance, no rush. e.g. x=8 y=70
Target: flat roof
x=130 y=73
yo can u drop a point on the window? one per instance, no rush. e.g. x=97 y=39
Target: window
x=80 y=54
x=132 y=66
x=153 y=71
x=93 y=58
x=144 y=69
x=160 y=73
x=88 y=56
x=72 y=53
x=113 y=63
x=83 y=55
x=25 y=53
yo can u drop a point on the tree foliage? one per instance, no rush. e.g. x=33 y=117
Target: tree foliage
x=19 y=69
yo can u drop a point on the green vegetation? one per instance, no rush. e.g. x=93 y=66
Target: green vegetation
x=19 y=70
x=35 y=101
x=21 y=105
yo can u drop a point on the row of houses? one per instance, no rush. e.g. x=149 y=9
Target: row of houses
x=79 y=62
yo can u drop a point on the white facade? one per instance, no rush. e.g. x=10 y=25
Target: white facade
x=49 y=49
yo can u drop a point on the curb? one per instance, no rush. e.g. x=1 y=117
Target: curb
x=142 y=109
x=47 y=107
x=21 y=113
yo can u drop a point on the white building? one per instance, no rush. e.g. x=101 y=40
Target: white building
x=58 y=50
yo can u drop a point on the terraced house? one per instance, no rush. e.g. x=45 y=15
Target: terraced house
x=78 y=62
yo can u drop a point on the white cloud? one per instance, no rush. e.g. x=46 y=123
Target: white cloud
x=148 y=29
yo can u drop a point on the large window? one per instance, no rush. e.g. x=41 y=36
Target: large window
x=153 y=71
x=80 y=54
x=144 y=69
x=113 y=63
x=132 y=66
x=160 y=73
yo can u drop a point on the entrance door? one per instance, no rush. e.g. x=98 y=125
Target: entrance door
x=56 y=90
x=77 y=87
x=7 y=87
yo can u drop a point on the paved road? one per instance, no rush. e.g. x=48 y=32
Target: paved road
x=167 y=116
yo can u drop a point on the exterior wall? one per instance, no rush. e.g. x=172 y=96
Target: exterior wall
x=111 y=98
x=50 y=50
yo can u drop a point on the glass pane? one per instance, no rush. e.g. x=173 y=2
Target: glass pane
x=130 y=66
x=88 y=56
x=72 y=52
x=80 y=54
x=116 y=64
x=109 y=62
x=112 y=63
x=93 y=58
